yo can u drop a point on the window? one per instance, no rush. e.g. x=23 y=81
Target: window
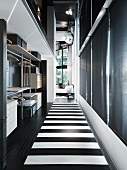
x=61 y=69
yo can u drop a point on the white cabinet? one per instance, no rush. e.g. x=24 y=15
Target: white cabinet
x=37 y=97
x=11 y=116
x=36 y=80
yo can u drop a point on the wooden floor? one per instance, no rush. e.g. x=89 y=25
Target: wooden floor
x=55 y=138
x=20 y=141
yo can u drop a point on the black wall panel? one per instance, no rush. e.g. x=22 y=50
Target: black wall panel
x=85 y=17
x=88 y=71
x=43 y=89
x=83 y=76
x=118 y=66
x=99 y=52
x=96 y=7
x=85 y=20
x=85 y=73
x=118 y=78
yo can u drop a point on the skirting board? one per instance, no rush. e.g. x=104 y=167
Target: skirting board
x=112 y=147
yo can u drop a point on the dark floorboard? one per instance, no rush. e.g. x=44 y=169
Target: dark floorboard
x=19 y=142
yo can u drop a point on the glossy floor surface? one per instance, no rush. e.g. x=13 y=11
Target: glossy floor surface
x=57 y=139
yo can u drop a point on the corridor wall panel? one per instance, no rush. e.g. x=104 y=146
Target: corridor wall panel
x=118 y=69
x=88 y=16
x=96 y=7
x=99 y=54
x=88 y=71
x=85 y=73
x=85 y=20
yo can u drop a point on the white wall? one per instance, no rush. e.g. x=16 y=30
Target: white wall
x=76 y=61
x=69 y=65
x=51 y=79
x=51 y=82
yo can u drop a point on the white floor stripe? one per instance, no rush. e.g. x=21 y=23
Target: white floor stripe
x=65 y=105
x=65 y=159
x=63 y=110
x=65 y=127
x=82 y=145
x=65 y=113
x=65 y=121
x=77 y=135
x=72 y=107
x=63 y=117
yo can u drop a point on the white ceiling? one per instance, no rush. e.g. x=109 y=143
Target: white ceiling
x=20 y=22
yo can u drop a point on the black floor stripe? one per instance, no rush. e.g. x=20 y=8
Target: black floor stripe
x=65 y=104
x=83 y=118
x=66 y=167
x=68 y=114
x=64 y=108
x=65 y=151
x=67 y=139
x=65 y=111
x=65 y=130
x=65 y=124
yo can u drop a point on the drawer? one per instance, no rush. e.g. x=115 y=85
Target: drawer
x=12 y=111
x=11 y=127
x=11 y=118
x=11 y=104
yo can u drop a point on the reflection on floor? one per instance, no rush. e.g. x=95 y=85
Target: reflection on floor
x=65 y=141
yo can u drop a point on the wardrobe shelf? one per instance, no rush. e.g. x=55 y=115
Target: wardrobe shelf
x=17 y=89
x=21 y=51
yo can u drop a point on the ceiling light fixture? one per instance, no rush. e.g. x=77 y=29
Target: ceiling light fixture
x=69 y=12
x=69 y=38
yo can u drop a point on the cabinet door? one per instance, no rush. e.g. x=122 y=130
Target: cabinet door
x=11 y=116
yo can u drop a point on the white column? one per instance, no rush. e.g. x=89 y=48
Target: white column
x=69 y=65
x=51 y=79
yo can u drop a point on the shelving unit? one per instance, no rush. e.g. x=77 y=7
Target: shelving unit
x=31 y=26
x=23 y=55
x=20 y=51
x=17 y=89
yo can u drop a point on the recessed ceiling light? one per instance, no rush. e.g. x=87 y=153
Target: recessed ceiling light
x=69 y=12
x=69 y=38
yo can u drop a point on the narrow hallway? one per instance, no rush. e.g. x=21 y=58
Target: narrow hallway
x=65 y=141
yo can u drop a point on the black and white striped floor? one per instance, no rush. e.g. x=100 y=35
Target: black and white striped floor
x=65 y=141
